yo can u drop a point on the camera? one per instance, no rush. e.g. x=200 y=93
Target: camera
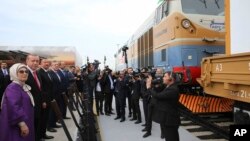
x=96 y=62
x=157 y=80
x=84 y=67
x=152 y=73
x=124 y=48
x=136 y=74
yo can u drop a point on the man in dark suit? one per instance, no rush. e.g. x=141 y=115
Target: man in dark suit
x=91 y=83
x=108 y=89
x=128 y=78
x=136 y=94
x=57 y=92
x=65 y=84
x=34 y=81
x=151 y=102
x=166 y=108
x=4 y=79
x=122 y=90
x=145 y=94
x=47 y=91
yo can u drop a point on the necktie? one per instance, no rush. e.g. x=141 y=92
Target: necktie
x=5 y=72
x=36 y=79
x=64 y=72
x=58 y=75
x=49 y=76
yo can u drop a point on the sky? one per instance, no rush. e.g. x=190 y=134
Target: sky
x=95 y=27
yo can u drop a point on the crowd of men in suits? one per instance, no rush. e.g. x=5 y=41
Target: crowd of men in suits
x=50 y=80
x=158 y=91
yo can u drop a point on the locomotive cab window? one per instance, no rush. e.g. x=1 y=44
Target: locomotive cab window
x=162 y=11
x=206 y=7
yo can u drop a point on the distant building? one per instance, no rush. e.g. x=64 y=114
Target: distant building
x=14 y=54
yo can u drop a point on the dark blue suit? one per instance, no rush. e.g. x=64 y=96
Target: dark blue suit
x=65 y=85
x=57 y=90
x=47 y=92
x=122 y=90
x=4 y=82
x=106 y=83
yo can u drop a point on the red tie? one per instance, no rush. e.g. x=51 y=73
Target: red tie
x=36 y=79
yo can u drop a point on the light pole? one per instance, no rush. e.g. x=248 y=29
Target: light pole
x=87 y=59
x=104 y=61
x=116 y=56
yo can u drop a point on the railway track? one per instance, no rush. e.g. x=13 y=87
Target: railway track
x=207 y=127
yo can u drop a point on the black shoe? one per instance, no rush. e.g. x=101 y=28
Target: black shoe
x=66 y=118
x=137 y=122
x=144 y=129
x=129 y=115
x=57 y=126
x=117 y=118
x=51 y=130
x=132 y=119
x=47 y=137
x=162 y=136
x=102 y=113
x=122 y=120
x=111 y=113
x=146 y=134
x=107 y=114
x=143 y=124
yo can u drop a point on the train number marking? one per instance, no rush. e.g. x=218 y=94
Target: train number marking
x=218 y=67
x=241 y=94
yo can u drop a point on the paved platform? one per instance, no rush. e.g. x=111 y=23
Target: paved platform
x=114 y=130
x=60 y=134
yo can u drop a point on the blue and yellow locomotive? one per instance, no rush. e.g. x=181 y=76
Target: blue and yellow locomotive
x=176 y=36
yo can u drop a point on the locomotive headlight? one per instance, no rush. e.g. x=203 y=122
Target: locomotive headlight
x=185 y=23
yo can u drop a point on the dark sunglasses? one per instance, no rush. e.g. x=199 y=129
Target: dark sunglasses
x=23 y=71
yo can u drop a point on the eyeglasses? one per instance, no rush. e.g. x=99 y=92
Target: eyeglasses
x=23 y=71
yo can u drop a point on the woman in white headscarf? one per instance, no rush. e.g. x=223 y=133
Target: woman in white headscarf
x=17 y=108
